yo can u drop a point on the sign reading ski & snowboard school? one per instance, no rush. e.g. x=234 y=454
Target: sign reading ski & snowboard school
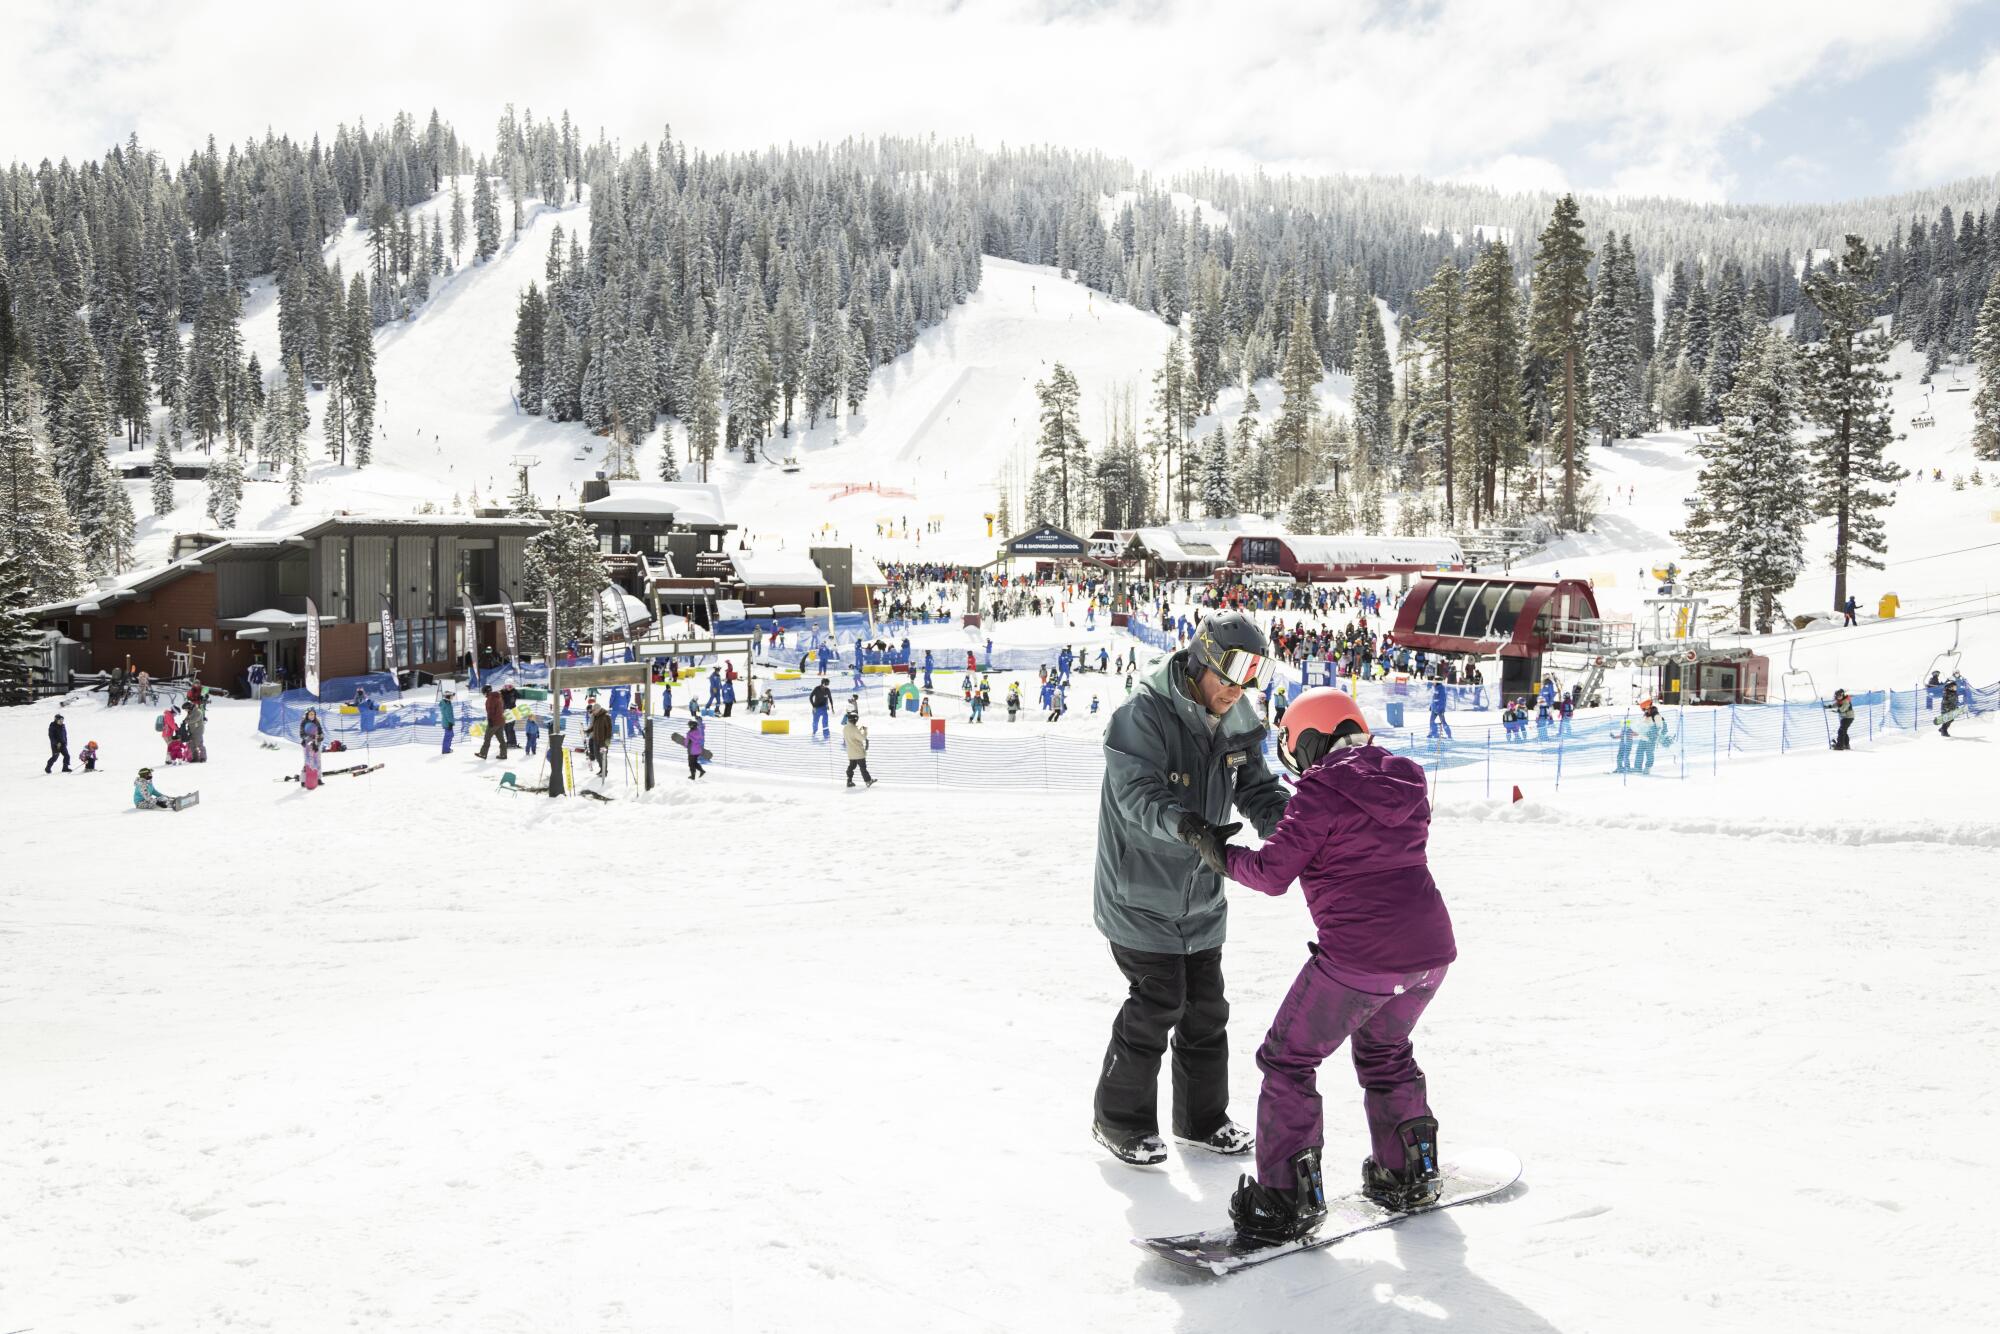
x=513 y=641
x=471 y=639
x=1047 y=541
x=549 y=644
x=312 y=648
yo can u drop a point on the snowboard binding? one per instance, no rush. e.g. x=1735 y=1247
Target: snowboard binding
x=1268 y=1215
x=1416 y=1183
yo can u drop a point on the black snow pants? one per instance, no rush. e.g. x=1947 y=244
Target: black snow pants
x=1178 y=994
x=1840 y=742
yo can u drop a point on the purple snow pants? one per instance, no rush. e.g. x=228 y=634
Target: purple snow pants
x=1321 y=1012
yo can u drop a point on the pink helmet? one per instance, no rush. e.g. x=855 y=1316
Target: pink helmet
x=1315 y=721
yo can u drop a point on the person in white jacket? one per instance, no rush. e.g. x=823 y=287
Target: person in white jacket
x=856 y=737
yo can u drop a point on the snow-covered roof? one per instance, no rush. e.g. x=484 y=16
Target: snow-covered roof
x=684 y=502
x=867 y=573
x=776 y=569
x=122 y=587
x=1361 y=550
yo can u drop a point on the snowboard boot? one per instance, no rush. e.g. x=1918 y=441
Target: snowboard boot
x=1268 y=1215
x=1141 y=1150
x=1414 y=1184
x=1228 y=1140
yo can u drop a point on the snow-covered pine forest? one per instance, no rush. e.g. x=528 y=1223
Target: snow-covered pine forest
x=697 y=305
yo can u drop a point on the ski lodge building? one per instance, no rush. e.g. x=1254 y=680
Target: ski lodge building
x=1326 y=560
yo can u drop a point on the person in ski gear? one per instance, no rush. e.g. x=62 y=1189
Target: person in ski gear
x=1654 y=735
x=147 y=797
x=821 y=700
x=1439 y=726
x=1178 y=753
x=1843 y=705
x=599 y=739
x=534 y=728
x=89 y=756
x=58 y=745
x=312 y=737
x=1013 y=701
x=1949 y=709
x=447 y=719
x=1847 y=610
x=194 y=722
x=1627 y=735
x=495 y=723
x=145 y=686
x=1354 y=837
x=697 y=741
x=856 y=738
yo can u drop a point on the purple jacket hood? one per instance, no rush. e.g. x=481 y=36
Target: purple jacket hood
x=1387 y=788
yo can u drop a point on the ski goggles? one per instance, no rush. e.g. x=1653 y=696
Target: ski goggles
x=1246 y=670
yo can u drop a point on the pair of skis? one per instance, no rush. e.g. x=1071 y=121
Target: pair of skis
x=355 y=769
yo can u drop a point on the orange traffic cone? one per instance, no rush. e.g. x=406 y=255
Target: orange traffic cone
x=1517 y=791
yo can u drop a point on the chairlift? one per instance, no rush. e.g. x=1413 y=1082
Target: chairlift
x=1785 y=683
x=1950 y=658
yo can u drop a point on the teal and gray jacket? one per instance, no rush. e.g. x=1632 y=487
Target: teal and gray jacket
x=1161 y=758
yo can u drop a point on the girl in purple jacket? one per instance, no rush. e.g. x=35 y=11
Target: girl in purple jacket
x=1353 y=836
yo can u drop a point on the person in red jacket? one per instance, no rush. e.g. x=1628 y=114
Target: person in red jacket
x=1354 y=837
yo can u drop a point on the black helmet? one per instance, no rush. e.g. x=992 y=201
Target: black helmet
x=1230 y=645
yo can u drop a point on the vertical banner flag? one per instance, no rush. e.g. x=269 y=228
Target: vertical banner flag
x=471 y=639
x=513 y=635
x=312 y=648
x=389 y=663
x=597 y=629
x=549 y=643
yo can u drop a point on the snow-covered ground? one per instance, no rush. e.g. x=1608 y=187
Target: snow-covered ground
x=411 y=1052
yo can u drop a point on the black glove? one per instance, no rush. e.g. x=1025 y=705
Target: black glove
x=1210 y=842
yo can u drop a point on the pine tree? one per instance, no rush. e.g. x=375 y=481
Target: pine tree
x=36 y=533
x=1848 y=399
x=1561 y=295
x=1725 y=340
x=1305 y=509
x=358 y=372
x=530 y=329
x=20 y=642
x=457 y=222
x=704 y=423
x=1986 y=364
x=1746 y=529
x=1612 y=347
x=225 y=487
x=563 y=559
x=163 y=478
x=858 y=367
x=485 y=218
x=1299 y=377
x=1374 y=396
x=1170 y=394
x=1492 y=376
x=1061 y=449
x=523 y=501
x=1440 y=326
x=1218 y=486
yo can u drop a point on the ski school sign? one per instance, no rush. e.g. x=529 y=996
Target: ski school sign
x=1047 y=542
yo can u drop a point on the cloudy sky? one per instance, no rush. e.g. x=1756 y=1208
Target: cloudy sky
x=1712 y=100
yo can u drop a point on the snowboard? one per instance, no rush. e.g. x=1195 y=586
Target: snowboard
x=680 y=739
x=1473 y=1175
x=178 y=803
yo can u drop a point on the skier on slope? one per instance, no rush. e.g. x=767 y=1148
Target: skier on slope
x=1177 y=754
x=1354 y=837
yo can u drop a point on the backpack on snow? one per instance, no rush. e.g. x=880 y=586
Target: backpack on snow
x=160 y=723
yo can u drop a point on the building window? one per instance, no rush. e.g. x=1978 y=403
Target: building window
x=194 y=634
x=128 y=632
x=374 y=648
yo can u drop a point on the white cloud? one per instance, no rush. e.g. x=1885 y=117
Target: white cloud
x=1457 y=88
x=1959 y=132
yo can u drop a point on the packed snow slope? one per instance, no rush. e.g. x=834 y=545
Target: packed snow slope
x=415 y=1053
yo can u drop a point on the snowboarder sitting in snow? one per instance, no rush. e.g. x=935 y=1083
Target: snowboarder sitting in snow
x=1354 y=837
x=147 y=797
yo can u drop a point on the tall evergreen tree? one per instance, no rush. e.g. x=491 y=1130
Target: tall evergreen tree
x=1299 y=377
x=358 y=372
x=704 y=422
x=1986 y=364
x=1218 y=482
x=485 y=218
x=1492 y=375
x=163 y=478
x=1746 y=529
x=1561 y=295
x=1440 y=326
x=37 y=536
x=1612 y=347
x=1374 y=395
x=1061 y=447
x=1848 y=399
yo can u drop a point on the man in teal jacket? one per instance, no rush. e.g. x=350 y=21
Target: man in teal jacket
x=1178 y=753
